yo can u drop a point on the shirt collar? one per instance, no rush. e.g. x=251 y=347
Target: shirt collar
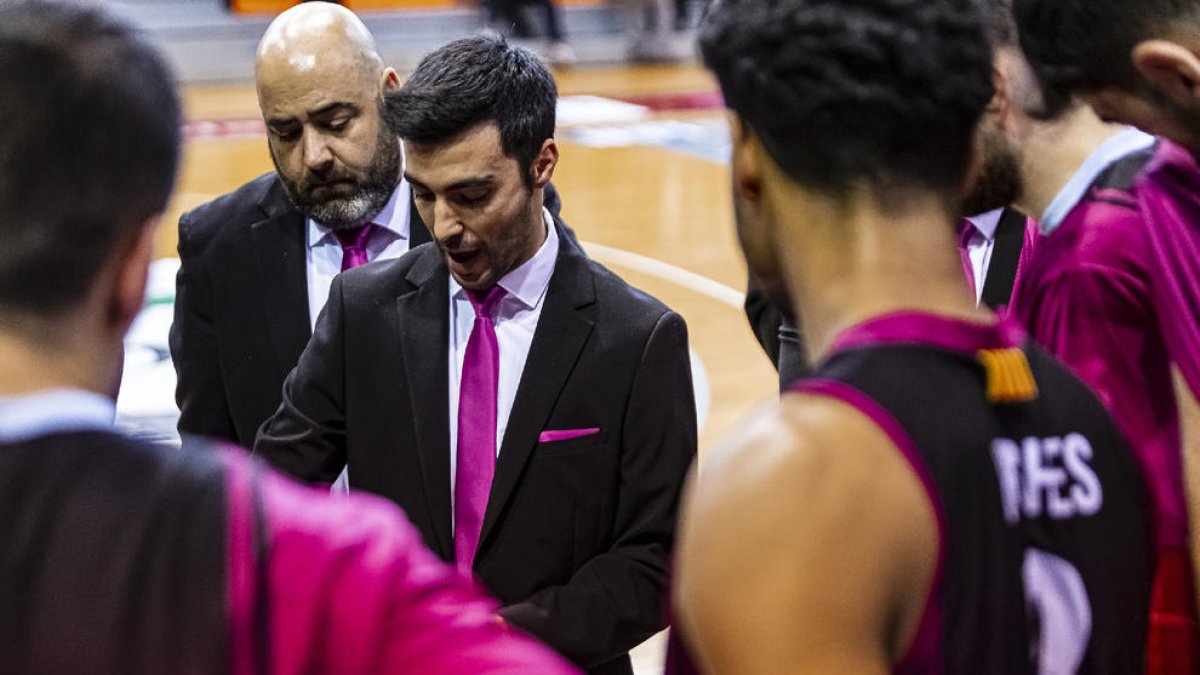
x=391 y=217
x=986 y=223
x=1130 y=140
x=528 y=282
x=54 y=411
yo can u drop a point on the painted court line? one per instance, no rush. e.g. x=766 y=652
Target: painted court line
x=667 y=272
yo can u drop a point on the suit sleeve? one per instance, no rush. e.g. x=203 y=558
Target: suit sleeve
x=199 y=388
x=619 y=598
x=306 y=437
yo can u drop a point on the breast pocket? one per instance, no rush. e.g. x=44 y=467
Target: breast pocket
x=559 y=443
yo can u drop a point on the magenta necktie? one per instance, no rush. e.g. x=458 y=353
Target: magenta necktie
x=354 y=245
x=476 y=427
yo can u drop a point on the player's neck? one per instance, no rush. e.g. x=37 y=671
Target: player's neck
x=866 y=263
x=30 y=363
x=1055 y=151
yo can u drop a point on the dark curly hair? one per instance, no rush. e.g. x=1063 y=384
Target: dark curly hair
x=88 y=148
x=842 y=92
x=1085 y=45
x=475 y=80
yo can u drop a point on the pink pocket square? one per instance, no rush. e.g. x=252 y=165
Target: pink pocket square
x=563 y=434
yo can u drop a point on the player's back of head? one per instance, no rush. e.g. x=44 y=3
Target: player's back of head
x=1085 y=45
x=89 y=145
x=874 y=92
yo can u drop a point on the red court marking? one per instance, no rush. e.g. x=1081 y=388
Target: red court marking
x=706 y=100
x=252 y=127
x=232 y=127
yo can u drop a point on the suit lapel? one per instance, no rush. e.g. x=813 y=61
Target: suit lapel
x=424 y=336
x=562 y=331
x=1006 y=256
x=279 y=254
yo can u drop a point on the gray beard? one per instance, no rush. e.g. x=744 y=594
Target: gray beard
x=358 y=209
x=340 y=214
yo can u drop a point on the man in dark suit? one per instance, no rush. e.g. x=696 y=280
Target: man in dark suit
x=256 y=264
x=531 y=412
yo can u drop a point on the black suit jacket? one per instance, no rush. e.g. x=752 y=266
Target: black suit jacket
x=578 y=533
x=241 y=307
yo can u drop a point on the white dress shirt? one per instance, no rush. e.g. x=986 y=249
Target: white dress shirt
x=516 y=319
x=980 y=246
x=389 y=239
x=54 y=411
x=1130 y=140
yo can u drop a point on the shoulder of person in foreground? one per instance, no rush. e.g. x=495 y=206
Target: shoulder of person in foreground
x=350 y=588
x=808 y=546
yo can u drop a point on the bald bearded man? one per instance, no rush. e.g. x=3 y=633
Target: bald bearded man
x=257 y=263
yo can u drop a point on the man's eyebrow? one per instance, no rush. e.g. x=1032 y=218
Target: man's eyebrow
x=330 y=108
x=479 y=181
x=323 y=111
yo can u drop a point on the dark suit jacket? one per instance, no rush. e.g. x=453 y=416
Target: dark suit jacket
x=578 y=533
x=241 y=307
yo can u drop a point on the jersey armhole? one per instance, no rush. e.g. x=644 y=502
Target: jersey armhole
x=923 y=652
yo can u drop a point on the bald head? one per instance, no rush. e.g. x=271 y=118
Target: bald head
x=317 y=38
x=320 y=88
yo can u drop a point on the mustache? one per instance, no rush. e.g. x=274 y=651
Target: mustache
x=311 y=183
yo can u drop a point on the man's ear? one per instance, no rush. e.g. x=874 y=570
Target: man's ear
x=132 y=267
x=745 y=160
x=390 y=81
x=1000 y=101
x=544 y=163
x=1171 y=68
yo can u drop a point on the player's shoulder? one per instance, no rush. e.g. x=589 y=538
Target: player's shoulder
x=800 y=456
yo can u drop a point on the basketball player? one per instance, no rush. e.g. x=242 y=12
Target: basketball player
x=1139 y=63
x=1088 y=297
x=119 y=557
x=940 y=496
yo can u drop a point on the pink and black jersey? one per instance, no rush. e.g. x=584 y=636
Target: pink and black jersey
x=118 y=557
x=1045 y=559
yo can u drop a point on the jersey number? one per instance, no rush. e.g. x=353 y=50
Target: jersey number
x=1058 y=606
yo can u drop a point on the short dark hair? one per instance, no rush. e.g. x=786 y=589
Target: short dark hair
x=840 y=92
x=89 y=143
x=475 y=80
x=1086 y=45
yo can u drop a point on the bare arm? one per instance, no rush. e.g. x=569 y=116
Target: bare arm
x=808 y=546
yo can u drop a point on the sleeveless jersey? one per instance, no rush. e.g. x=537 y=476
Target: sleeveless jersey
x=1045 y=560
x=105 y=540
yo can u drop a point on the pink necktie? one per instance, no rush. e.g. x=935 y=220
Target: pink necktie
x=476 y=427
x=354 y=245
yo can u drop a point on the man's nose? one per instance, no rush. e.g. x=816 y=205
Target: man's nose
x=318 y=158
